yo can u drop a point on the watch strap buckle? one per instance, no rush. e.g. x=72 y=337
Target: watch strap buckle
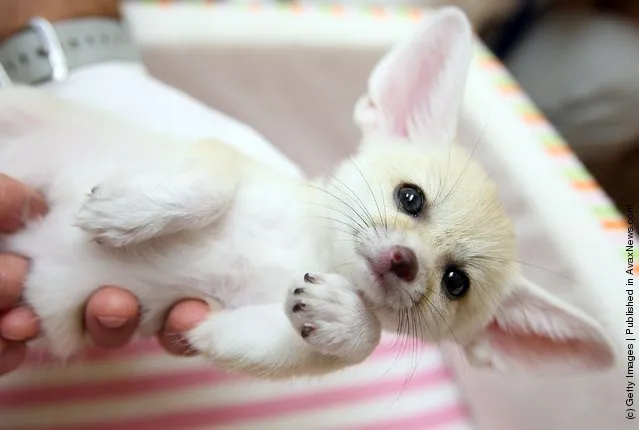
x=52 y=48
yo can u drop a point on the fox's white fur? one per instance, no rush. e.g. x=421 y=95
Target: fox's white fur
x=171 y=220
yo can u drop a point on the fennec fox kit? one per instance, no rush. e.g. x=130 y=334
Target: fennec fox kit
x=304 y=276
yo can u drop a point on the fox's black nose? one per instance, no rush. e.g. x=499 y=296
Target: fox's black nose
x=404 y=263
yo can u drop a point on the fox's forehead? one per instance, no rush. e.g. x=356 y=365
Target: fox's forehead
x=447 y=171
x=463 y=214
x=405 y=159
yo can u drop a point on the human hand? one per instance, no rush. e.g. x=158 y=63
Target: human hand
x=18 y=324
x=111 y=314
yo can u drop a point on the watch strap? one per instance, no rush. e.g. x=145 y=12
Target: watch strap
x=45 y=51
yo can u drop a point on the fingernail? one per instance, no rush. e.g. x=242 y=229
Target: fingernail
x=12 y=337
x=33 y=207
x=112 y=322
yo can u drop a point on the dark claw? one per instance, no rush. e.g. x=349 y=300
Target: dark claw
x=298 y=291
x=307 y=330
x=298 y=307
x=310 y=278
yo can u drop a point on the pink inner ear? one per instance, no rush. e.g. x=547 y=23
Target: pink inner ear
x=407 y=99
x=418 y=87
x=528 y=347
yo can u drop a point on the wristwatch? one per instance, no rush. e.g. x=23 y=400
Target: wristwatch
x=47 y=52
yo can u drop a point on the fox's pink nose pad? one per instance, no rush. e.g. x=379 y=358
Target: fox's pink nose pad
x=404 y=263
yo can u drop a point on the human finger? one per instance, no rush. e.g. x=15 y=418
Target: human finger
x=183 y=317
x=111 y=316
x=18 y=203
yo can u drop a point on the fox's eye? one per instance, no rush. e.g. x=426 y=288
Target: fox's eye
x=410 y=198
x=455 y=283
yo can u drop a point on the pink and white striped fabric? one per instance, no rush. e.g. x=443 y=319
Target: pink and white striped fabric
x=141 y=388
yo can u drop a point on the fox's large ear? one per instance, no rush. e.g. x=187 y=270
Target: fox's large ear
x=416 y=90
x=534 y=331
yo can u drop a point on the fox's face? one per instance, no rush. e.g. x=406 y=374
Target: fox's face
x=420 y=231
x=424 y=236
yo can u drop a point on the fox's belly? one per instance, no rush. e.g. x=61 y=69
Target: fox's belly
x=253 y=255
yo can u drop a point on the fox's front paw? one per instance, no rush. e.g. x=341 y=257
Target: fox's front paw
x=332 y=318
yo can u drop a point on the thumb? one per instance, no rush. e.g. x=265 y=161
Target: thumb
x=18 y=203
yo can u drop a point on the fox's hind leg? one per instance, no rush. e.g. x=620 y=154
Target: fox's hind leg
x=137 y=208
